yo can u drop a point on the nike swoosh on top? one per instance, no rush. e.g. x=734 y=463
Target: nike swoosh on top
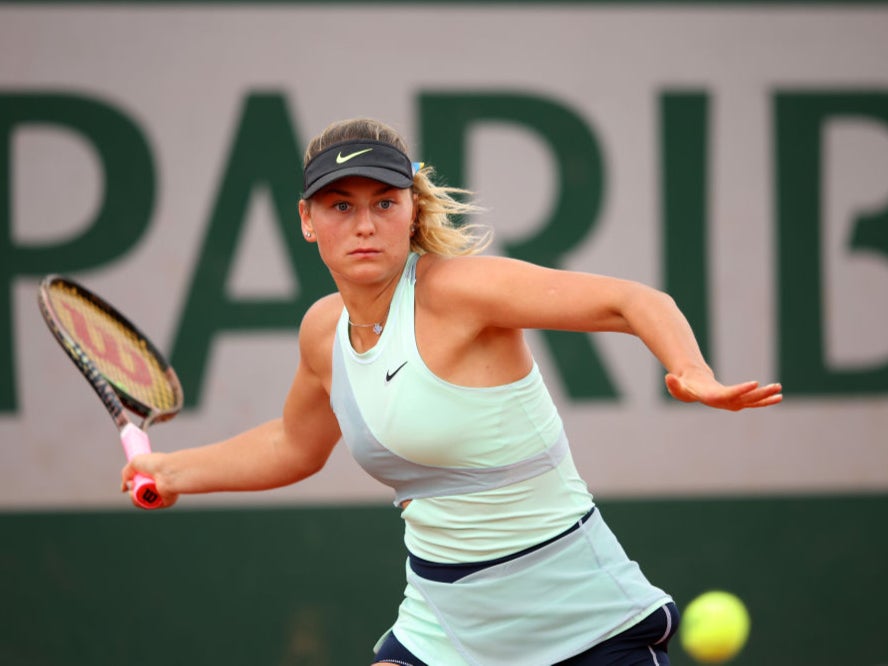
x=342 y=159
x=390 y=375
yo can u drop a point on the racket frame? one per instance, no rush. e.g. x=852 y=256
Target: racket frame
x=116 y=401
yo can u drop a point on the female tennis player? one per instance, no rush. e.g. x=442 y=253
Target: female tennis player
x=419 y=363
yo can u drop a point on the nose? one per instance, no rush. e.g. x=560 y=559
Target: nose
x=364 y=221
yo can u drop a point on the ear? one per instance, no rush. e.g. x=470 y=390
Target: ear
x=305 y=217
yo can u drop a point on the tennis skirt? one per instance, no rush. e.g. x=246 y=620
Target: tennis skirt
x=545 y=606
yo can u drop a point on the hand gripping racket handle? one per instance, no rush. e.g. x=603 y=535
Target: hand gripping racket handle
x=135 y=442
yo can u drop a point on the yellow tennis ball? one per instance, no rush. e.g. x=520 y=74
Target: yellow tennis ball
x=714 y=627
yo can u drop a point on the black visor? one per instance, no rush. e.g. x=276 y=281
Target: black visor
x=370 y=159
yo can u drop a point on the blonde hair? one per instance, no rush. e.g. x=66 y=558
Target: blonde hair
x=436 y=231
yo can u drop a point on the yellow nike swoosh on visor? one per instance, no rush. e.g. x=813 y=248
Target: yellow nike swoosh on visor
x=340 y=159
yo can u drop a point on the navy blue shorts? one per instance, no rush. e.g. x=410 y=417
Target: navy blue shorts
x=644 y=644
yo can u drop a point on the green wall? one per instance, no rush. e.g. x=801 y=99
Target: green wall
x=315 y=586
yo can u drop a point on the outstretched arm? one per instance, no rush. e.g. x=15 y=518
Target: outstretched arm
x=503 y=293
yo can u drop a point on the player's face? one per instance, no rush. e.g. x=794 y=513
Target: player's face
x=361 y=226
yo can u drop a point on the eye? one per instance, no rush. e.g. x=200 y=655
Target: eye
x=386 y=204
x=341 y=206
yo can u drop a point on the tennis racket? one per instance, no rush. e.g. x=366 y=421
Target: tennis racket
x=123 y=367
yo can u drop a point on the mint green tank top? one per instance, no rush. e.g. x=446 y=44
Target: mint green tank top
x=488 y=470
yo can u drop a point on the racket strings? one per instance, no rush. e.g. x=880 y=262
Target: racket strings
x=119 y=353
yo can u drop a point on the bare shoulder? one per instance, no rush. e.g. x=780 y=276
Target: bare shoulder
x=473 y=280
x=478 y=264
x=317 y=331
x=323 y=314
x=455 y=274
x=499 y=292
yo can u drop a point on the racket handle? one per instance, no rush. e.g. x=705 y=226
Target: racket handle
x=135 y=442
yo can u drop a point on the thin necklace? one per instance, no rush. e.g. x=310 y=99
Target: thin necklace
x=376 y=326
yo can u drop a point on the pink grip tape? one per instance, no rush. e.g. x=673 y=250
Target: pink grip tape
x=135 y=442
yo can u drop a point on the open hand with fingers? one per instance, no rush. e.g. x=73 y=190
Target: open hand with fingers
x=701 y=386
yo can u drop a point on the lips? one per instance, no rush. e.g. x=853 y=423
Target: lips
x=364 y=252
